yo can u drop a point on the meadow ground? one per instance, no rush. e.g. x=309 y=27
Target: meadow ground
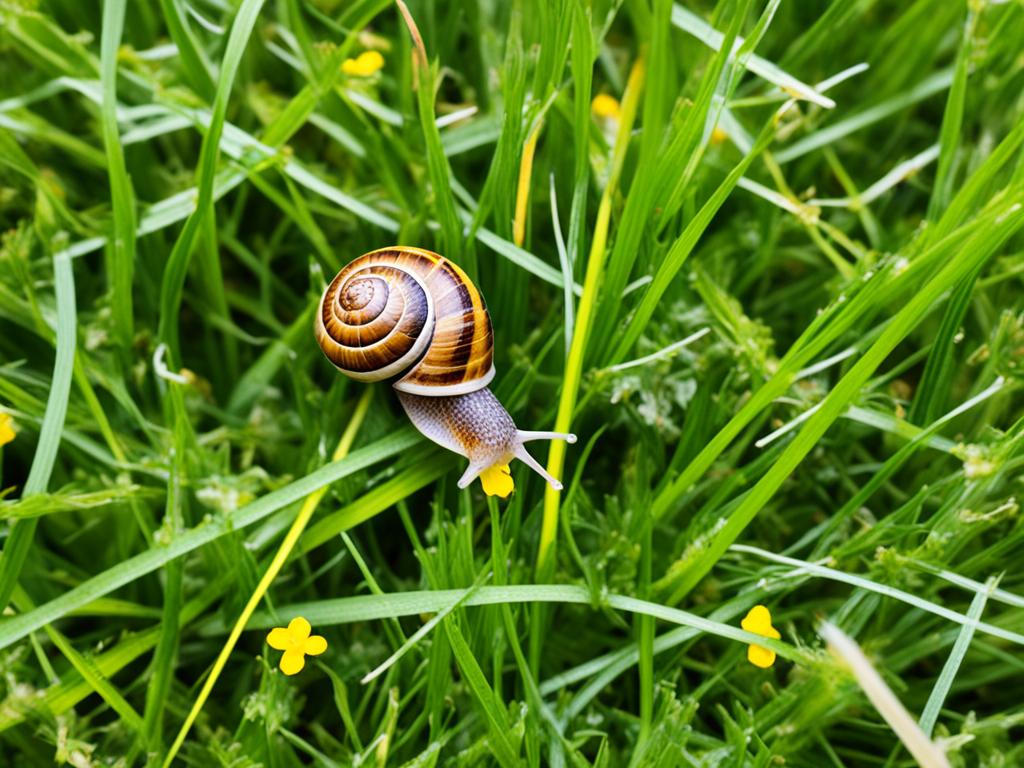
x=764 y=258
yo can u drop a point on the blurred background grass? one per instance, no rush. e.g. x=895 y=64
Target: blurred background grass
x=833 y=209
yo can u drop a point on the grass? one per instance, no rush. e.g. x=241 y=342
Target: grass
x=778 y=297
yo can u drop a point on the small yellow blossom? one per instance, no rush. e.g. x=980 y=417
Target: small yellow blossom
x=497 y=481
x=6 y=428
x=759 y=621
x=718 y=136
x=365 y=64
x=605 y=106
x=297 y=643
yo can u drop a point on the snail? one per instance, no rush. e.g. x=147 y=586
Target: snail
x=408 y=312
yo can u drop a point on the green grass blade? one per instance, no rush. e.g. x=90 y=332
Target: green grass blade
x=692 y=24
x=121 y=266
x=92 y=676
x=497 y=720
x=931 y=85
x=384 y=496
x=177 y=262
x=952 y=120
x=347 y=610
x=60 y=697
x=128 y=571
x=977 y=252
x=195 y=66
x=19 y=540
x=930 y=714
x=683 y=247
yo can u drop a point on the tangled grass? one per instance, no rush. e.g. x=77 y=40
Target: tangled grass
x=764 y=258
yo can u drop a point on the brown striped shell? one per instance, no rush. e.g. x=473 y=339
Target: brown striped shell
x=406 y=309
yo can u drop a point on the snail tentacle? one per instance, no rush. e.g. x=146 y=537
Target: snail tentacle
x=533 y=464
x=526 y=436
x=472 y=472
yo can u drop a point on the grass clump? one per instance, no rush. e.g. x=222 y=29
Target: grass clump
x=772 y=279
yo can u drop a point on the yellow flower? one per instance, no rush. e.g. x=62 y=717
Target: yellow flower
x=759 y=621
x=364 y=65
x=497 y=481
x=297 y=643
x=605 y=106
x=6 y=428
x=718 y=135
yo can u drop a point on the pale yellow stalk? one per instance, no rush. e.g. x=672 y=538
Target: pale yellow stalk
x=585 y=316
x=926 y=752
x=523 y=190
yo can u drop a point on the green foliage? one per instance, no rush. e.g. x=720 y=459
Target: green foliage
x=826 y=203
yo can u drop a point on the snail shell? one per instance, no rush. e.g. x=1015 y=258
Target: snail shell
x=410 y=312
x=407 y=308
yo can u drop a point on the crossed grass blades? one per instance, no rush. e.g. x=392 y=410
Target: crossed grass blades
x=765 y=258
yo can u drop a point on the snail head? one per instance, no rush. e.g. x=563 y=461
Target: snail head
x=491 y=457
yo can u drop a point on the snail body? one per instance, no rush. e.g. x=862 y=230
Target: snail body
x=410 y=313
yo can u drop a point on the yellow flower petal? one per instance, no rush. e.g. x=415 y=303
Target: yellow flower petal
x=279 y=639
x=292 y=662
x=497 y=481
x=296 y=642
x=7 y=433
x=760 y=656
x=759 y=621
x=365 y=64
x=718 y=135
x=299 y=629
x=371 y=60
x=605 y=106
x=316 y=645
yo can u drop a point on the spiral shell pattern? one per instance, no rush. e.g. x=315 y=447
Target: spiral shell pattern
x=406 y=309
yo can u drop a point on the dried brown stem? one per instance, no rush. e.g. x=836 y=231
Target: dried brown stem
x=419 y=53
